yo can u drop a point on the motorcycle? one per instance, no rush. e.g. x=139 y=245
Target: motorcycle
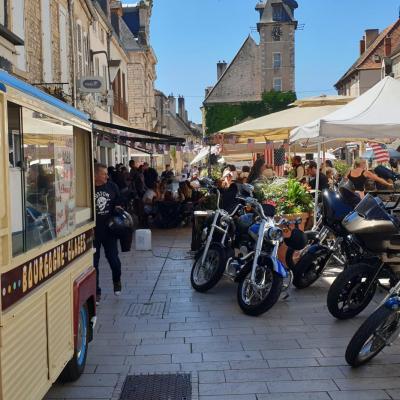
x=326 y=241
x=376 y=231
x=217 y=236
x=379 y=330
x=256 y=268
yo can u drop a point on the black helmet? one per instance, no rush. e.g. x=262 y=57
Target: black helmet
x=120 y=223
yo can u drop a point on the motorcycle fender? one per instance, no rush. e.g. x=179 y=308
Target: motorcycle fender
x=277 y=266
x=244 y=271
x=215 y=244
x=271 y=262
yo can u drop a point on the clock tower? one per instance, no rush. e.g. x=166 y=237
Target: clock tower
x=277 y=28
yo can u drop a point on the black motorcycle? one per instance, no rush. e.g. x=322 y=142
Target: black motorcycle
x=377 y=232
x=328 y=240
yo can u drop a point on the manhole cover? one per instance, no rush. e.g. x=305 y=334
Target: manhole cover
x=157 y=387
x=151 y=309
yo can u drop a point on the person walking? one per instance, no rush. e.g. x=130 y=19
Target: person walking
x=107 y=200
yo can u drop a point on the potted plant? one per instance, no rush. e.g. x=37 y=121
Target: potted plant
x=291 y=201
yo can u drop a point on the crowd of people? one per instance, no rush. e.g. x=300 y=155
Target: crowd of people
x=163 y=200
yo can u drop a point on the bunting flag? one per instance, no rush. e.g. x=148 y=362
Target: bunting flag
x=232 y=139
x=279 y=161
x=250 y=144
x=381 y=153
x=269 y=153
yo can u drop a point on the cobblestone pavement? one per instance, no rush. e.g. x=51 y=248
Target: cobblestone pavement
x=295 y=351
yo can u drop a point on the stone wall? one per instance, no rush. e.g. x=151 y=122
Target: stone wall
x=241 y=80
x=33 y=41
x=55 y=35
x=141 y=101
x=286 y=47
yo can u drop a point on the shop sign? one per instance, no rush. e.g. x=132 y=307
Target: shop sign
x=92 y=84
x=22 y=280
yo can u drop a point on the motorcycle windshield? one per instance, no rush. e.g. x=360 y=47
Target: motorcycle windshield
x=372 y=208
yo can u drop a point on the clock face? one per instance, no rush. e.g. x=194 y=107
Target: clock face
x=276 y=32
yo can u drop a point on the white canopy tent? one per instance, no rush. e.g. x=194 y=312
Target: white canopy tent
x=375 y=115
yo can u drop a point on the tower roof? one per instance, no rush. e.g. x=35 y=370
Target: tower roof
x=278 y=11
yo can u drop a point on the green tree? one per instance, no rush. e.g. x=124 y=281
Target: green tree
x=221 y=116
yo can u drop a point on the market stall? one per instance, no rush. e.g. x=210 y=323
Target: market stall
x=374 y=116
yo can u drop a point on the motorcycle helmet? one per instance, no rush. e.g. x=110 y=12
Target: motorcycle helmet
x=120 y=223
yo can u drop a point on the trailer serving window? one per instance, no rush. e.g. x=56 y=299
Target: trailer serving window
x=43 y=178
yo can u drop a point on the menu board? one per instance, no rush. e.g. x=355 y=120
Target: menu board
x=64 y=184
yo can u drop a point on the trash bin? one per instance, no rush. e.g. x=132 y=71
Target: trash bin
x=143 y=239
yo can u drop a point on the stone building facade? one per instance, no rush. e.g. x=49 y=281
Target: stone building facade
x=257 y=68
x=375 y=48
x=141 y=66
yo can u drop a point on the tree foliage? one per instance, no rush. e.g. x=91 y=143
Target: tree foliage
x=221 y=116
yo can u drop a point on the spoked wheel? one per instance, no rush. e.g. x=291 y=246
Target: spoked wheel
x=205 y=276
x=309 y=268
x=352 y=291
x=374 y=334
x=257 y=297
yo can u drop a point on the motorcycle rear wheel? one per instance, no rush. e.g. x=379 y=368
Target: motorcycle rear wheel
x=372 y=336
x=267 y=296
x=205 y=276
x=347 y=295
x=309 y=268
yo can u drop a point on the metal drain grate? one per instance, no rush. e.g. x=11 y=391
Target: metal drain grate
x=151 y=309
x=157 y=387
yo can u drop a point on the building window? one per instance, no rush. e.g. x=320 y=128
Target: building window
x=277 y=12
x=277 y=62
x=3 y=12
x=43 y=191
x=278 y=84
x=96 y=67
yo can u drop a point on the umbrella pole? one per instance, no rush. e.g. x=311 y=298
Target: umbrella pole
x=317 y=184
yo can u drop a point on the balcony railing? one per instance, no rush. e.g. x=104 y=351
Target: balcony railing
x=120 y=108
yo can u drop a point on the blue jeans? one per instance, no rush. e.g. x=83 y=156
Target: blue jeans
x=110 y=245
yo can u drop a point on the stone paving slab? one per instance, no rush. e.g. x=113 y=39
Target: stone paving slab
x=294 y=352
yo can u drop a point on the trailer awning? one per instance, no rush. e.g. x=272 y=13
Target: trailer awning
x=127 y=134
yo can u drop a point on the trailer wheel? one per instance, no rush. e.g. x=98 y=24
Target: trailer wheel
x=74 y=369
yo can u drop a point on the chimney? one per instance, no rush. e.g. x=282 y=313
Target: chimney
x=388 y=46
x=370 y=36
x=116 y=13
x=362 y=46
x=221 y=67
x=181 y=108
x=172 y=104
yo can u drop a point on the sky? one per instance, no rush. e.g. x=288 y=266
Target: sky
x=190 y=36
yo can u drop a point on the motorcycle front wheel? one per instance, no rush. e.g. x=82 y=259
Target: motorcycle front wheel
x=205 y=276
x=372 y=336
x=351 y=291
x=310 y=267
x=258 y=297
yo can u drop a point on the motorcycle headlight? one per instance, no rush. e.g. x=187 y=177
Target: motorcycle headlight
x=274 y=233
x=225 y=222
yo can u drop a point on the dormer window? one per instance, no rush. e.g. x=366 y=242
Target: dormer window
x=277 y=12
